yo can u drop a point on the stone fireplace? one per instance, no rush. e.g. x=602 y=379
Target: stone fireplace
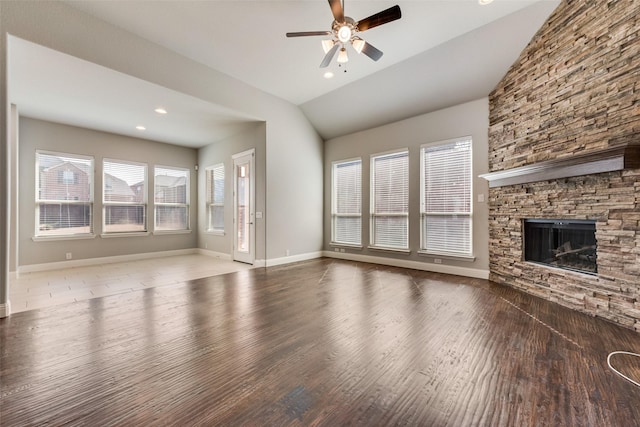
x=606 y=202
x=564 y=143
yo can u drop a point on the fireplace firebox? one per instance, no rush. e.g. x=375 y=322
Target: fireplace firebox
x=567 y=244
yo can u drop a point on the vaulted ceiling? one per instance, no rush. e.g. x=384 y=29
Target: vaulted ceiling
x=440 y=53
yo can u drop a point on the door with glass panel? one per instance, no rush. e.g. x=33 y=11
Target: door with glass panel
x=243 y=207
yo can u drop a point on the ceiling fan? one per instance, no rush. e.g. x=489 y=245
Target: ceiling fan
x=344 y=30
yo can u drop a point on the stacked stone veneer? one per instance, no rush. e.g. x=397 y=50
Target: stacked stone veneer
x=574 y=89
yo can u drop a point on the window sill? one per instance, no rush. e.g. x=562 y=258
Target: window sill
x=56 y=238
x=125 y=234
x=455 y=257
x=345 y=245
x=384 y=249
x=215 y=233
x=159 y=232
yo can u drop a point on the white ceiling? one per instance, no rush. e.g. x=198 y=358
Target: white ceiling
x=53 y=86
x=440 y=53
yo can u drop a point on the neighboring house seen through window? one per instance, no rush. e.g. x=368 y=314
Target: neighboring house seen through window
x=124 y=196
x=171 y=196
x=64 y=194
x=215 y=198
x=346 y=213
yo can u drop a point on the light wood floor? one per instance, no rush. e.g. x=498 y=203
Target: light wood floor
x=322 y=342
x=49 y=288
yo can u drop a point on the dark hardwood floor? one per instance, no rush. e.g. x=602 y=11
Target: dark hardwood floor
x=322 y=342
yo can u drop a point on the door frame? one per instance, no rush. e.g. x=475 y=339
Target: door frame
x=247 y=156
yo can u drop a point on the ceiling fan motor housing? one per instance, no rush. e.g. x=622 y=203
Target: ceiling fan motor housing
x=344 y=31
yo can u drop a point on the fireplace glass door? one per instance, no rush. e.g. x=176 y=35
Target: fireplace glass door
x=568 y=244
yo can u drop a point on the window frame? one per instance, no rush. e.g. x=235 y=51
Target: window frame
x=210 y=201
x=334 y=204
x=40 y=202
x=144 y=204
x=186 y=205
x=463 y=254
x=373 y=215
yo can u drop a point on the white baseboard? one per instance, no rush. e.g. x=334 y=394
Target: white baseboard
x=259 y=263
x=5 y=309
x=416 y=265
x=214 y=254
x=102 y=260
x=293 y=258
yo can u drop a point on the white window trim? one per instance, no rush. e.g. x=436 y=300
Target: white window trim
x=145 y=203
x=372 y=214
x=333 y=241
x=125 y=234
x=62 y=237
x=345 y=245
x=78 y=236
x=160 y=232
x=187 y=204
x=443 y=254
x=447 y=255
x=389 y=249
x=209 y=203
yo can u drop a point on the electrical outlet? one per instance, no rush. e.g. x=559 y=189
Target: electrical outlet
x=337 y=250
x=342 y=250
x=286 y=252
x=69 y=255
x=437 y=260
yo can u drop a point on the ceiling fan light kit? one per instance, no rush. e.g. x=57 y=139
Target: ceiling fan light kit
x=344 y=31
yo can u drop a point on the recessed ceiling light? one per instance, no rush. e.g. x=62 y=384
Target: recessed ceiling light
x=141 y=127
x=160 y=111
x=328 y=75
x=483 y=2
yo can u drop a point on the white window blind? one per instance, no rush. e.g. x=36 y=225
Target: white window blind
x=64 y=194
x=390 y=200
x=124 y=196
x=215 y=197
x=446 y=214
x=346 y=213
x=171 y=196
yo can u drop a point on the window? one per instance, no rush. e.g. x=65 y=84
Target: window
x=124 y=196
x=445 y=202
x=390 y=200
x=67 y=177
x=64 y=194
x=346 y=214
x=171 y=198
x=215 y=197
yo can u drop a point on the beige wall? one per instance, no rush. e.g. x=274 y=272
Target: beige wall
x=466 y=119
x=221 y=152
x=42 y=135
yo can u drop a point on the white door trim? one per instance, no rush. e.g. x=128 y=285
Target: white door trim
x=241 y=255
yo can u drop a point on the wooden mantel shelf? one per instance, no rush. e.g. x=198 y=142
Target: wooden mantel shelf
x=606 y=160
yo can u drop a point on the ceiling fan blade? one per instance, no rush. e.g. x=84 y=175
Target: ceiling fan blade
x=327 y=58
x=371 y=51
x=309 y=33
x=336 y=9
x=380 y=18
